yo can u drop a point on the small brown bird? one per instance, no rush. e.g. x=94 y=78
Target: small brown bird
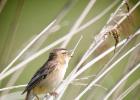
x=50 y=75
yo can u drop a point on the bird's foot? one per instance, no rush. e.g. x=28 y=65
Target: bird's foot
x=55 y=94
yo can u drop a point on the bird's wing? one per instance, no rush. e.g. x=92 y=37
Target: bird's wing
x=41 y=74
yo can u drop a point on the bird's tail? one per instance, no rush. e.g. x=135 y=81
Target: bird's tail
x=29 y=96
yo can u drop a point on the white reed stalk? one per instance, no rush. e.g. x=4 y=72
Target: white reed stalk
x=89 y=64
x=96 y=18
x=105 y=72
x=12 y=87
x=130 y=89
x=117 y=53
x=28 y=46
x=129 y=13
x=94 y=45
x=132 y=61
x=104 y=54
x=121 y=81
x=99 y=16
x=122 y=19
x=99 y=39
x=86 y=67
x=78 y=83
x=79 y=21
x=126 y=42
x=76 y=45
x=116 y=11
x=85 y=78
x=11 y=82
x=84 y=84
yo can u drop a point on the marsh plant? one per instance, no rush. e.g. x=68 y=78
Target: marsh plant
x=104 y=36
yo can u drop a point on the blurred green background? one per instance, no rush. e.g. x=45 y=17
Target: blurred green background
x=22 y=20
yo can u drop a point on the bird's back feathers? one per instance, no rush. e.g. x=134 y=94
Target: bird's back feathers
x=41 y=74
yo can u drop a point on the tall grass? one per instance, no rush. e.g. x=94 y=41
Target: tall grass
x=98 y=73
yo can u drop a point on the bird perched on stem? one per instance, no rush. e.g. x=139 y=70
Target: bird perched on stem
x=50 y=75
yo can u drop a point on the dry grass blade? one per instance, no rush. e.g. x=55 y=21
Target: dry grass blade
x=121 y=81
x=133 y=60
x=106 y=71
x=98 y=16
x=84 y=84
x=76 y=45
x=79 y=21
x=130 y=89
x=12 y=87
x=26 y=48
x=88 y=65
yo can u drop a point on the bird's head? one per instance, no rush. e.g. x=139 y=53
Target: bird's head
x=61 y=54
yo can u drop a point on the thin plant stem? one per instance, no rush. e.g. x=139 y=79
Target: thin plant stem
x=76 y=45
x=99 y=16
x=105 y=72
x=79 y=21
x=121 y=81
x=88 y=65
x=85 y=78
x=84 y=84
x=12 y=87
x=11 y=82
x=117 y=53
x=27 y=47
x=132 y=61
x=127 y=91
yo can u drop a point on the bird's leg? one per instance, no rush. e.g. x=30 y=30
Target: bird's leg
x=53 y=93
x=46 y=97
x=37 y=97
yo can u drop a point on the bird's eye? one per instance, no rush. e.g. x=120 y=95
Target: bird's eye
x=64 y=53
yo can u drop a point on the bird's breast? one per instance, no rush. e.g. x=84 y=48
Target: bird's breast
x=54 y=78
